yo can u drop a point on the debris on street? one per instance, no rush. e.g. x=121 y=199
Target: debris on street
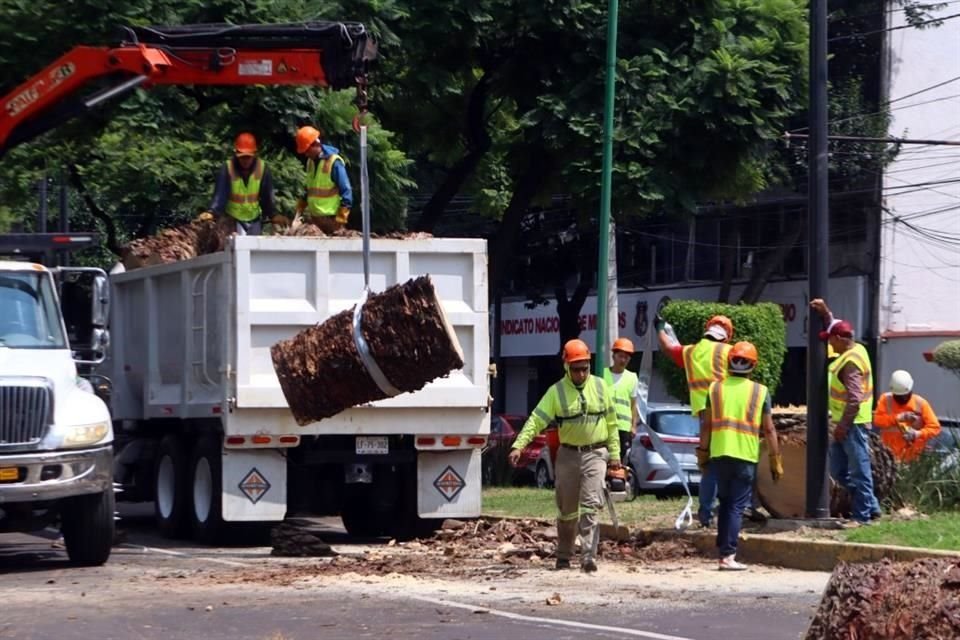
x=887 y=600
x=294 y=541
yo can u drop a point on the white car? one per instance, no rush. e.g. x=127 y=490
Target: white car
x=647 y=470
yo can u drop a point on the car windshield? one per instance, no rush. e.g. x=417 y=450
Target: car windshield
x=29 y=317
x=675 y=424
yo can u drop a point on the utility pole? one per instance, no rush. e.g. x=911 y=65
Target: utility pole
x=818 y=265
x=606 y=188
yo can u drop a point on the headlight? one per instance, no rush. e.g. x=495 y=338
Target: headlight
x=85 y=434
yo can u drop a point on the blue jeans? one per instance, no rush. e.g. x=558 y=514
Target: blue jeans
x=850 y=467
x=707 y=494
x=734 y=478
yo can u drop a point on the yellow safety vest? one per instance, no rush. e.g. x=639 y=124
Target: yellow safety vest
x=736 y=411
x=838 y=394
x=704 y=362
x=244 y=201
x=622 y=396
x=323 y=196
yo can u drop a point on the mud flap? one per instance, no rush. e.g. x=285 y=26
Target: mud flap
x=254 y=485
x=448 y=484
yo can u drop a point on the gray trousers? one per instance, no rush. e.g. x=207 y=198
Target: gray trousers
x=580 y=477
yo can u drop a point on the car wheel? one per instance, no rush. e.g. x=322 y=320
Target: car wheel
x=543 y=476
x=632 y=491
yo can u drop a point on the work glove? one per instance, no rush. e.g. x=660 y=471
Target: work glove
x=206 y=216
x=658 y=322
x=342 y=214
x=910 y=434
x=776 y=467
x=301 y=206
x=280 y=220
x=703 y=458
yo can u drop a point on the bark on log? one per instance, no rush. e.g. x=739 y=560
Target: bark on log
x=187 y=241
x=787 y=498
x=887 y=601
x=321 y=372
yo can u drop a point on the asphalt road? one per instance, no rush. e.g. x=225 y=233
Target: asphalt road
x=158 y=589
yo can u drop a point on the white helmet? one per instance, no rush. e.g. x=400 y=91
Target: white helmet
x=901 y=382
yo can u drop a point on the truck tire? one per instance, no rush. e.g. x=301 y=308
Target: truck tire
x=407 y=523
x=360 y=519
x=171 y=493
x=87 y=525
x=206 y=516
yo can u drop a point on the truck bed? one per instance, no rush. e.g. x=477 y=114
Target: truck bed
x=192 y=339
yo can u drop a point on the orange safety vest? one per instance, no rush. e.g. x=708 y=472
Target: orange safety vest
x=704 y=362
x=892 y=430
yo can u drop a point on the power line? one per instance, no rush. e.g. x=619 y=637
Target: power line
x=888 y=140
x=897 y=28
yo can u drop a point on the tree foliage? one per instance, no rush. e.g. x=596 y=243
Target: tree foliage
x=762 y=324
x=947 y=355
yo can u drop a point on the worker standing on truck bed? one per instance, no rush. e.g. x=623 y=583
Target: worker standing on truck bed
x=327 y=192
x=244 y=190
x=703 y=363
x=736 y=409
x=905 y=419
x=582 y=406
x=625 y=386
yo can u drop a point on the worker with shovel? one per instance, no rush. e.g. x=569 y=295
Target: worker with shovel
x=583 y=408
x=737 y=408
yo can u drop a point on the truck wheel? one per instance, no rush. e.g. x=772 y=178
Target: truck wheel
x=206 y=474
x=360 y=519
x=86 y=523
x=543 y=476
x=171 y=488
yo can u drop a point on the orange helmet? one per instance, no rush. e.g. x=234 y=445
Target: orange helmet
x=721 y=322
x=245 y=145
x=306 y=136
x=575 y=350
x=746 y=353
x=623 y=344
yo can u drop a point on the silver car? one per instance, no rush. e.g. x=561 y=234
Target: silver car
x=680 y=431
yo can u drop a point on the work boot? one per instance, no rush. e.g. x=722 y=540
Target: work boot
x=588 y=566
x=730 y=563
x=562 y=563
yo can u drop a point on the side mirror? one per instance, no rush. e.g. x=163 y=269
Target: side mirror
x=85 y=303
x=100 y=300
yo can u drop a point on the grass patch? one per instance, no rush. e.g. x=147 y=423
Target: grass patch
x=529 y=502
x=939 y=531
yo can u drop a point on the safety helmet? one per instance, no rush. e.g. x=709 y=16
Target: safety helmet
x=245 y=145
x=901 y=382
x=306 y=136
x=719 y=327
x=743 y=357
x=575 y=350
x=623 y=344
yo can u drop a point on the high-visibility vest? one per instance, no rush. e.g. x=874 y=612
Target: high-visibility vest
x=323 y=196
x=622 y=396
x=580 y=413
x=838 y=394
x=704 y=362
x=736 y=412
x=244 y=201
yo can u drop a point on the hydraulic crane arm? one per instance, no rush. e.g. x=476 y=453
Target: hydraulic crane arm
x=325 y=54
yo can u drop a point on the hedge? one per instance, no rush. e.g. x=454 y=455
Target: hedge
x=947 y=355
x=762 y=324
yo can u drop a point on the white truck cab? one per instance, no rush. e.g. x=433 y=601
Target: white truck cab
x=56 y=451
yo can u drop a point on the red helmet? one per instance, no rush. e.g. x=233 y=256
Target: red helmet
x=245 y=145
x=575 y=350
x=623 y=344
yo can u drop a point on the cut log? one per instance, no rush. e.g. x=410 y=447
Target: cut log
x=187 y=241
x=787 y=498
x=890 y=601
x=321 y=371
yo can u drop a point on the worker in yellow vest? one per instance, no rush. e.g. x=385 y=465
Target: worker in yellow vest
x=737 y=408
x=704 y=362
x=243 y=195
x=625 y=386
x=327 y=196
x=850 y=380
x=582 y=406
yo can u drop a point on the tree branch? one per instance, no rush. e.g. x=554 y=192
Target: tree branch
x=773 y=259
x=102 y=216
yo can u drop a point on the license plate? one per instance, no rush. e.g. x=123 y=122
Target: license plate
x=372 y=445
x=9 y=474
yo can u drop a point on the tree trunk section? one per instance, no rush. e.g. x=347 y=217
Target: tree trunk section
x=177 y=243
x=787 y=498
x=889 y=601
x=322 y=373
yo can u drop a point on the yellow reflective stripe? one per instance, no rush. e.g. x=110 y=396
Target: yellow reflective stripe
x=735 y=425
x=622 y=402
x=541 y=414
x=753 y=407
x=317 y=192
x=569 y=516
x=688 y=362
x=699 y=385
x=716 y=401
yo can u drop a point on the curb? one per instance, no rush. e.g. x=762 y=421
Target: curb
x=777 y=550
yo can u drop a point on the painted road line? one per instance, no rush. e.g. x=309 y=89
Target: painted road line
x=553 y=622
x=180 y=554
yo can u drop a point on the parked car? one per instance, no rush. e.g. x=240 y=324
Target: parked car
x=543 y=476
x=504 y=428
x=647 y=471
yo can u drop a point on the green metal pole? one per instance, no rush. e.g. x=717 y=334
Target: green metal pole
x=606 y=186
